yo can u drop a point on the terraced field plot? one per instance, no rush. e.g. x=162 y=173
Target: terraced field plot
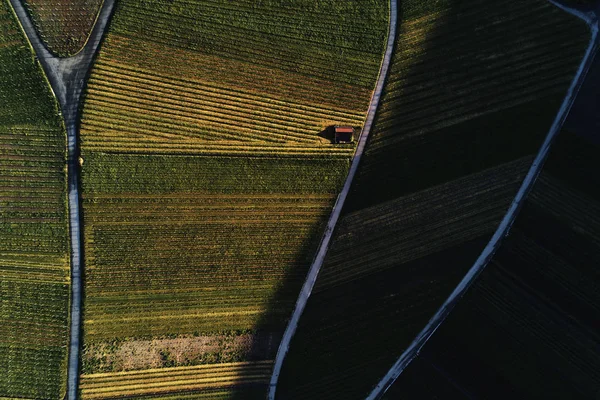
x=532 y=314
x=63 y=25
x=472 y=91
x=34 y=258
x=206 y=183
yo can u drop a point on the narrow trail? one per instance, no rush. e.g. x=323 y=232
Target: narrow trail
x=67 y=78
x=590 y=17
x=337 y=208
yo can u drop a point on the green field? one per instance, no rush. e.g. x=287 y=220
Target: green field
x=34 y=253
x=472 y=91
x=63 y=25
x=206 y=182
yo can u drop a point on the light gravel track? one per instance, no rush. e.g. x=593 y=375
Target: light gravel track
x=504 y=228
x=67 y=77
x=337 y=208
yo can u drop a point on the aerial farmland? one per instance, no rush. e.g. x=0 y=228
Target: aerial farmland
x=273 y=199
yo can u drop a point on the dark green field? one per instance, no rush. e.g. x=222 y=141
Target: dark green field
x=63 y=25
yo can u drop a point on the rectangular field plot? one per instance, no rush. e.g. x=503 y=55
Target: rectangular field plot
x=215 y=381
x=187 y=247
x=34 y=254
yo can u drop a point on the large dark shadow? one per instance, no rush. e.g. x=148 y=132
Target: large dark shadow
x=467 y=105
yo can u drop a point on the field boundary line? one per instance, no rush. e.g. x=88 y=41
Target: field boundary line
x=339 y=203
x=504 y=228
x=67 y=78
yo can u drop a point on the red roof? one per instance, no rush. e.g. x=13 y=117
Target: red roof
x=344 y=129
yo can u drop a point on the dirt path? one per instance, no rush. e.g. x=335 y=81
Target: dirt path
x=440 y=316
x=67 y=78
x=337 y=208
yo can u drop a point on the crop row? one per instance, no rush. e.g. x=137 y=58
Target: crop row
x=168 y=380
x=170 y=118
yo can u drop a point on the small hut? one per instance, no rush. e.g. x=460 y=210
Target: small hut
x=343 y=134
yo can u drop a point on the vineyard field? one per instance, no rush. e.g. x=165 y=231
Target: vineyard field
x=171 y=79
x=473 y=89
x=171 y=232
x=63 y=25
x=207 y=177
x=34 y=252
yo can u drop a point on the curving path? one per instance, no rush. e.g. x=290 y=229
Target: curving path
x=590 y=17
x=337 y=208
x=67 y=78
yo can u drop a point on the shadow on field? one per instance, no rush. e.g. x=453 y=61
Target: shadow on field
x=438 y=124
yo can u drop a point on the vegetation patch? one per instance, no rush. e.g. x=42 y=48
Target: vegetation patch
x=177 y=350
